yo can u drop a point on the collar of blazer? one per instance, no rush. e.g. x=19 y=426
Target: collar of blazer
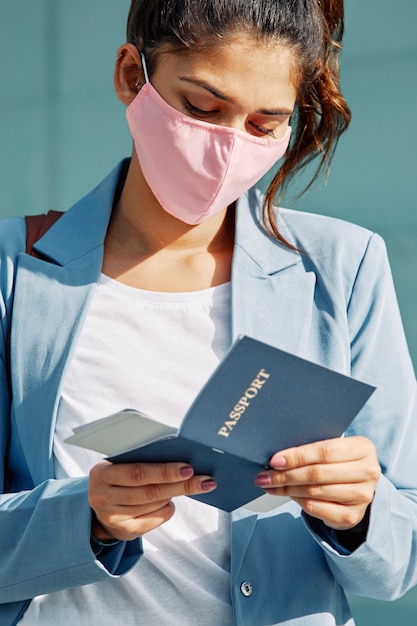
x=272 y=299
x=83 y=228
x=66 y=241
x=263 y=272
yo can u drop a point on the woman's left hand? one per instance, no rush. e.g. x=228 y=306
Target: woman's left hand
x=333 y=480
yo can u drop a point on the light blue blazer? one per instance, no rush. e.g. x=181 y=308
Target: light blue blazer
x=333 y=304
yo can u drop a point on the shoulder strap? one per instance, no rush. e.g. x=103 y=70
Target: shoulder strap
x=36 y=227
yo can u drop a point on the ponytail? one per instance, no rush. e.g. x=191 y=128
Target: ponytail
x=321 y=116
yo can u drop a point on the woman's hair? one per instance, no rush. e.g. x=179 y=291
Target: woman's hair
x=312 y=29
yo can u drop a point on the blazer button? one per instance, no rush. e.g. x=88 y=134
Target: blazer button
x=246 y=589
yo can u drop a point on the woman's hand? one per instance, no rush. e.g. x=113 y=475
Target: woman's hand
x=332 y=480
x=131 y=499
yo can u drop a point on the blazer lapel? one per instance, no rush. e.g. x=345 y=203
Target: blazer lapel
x=50 y=303
x=272 y=294
x=243 y=526
x=272 y=298
x=51 y=300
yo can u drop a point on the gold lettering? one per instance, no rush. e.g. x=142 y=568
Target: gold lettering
x=244 y=403
x=258 y=383
x=263 y=373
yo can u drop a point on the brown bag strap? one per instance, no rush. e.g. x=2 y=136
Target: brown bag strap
x=36 y=227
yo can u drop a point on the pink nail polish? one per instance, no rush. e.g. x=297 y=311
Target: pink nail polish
x=263 y=480
x=208 y=485
x=186 y=471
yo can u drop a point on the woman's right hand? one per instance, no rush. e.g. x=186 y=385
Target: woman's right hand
x=131 y=499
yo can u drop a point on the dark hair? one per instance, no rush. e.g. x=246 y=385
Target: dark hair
x=313 y=29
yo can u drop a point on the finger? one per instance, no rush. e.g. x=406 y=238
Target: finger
x=338 y=450
x=320 y=474
x=117 y=514
x=128 y=528
x=334 y=515
x=113 y=495
x=347 y=495
x=137 y=474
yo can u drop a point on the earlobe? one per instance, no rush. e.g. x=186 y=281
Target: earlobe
x=128 y=73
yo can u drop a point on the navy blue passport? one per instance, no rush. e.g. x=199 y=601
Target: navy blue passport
x=259 y=401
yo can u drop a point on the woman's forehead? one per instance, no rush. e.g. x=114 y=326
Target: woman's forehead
x=236 y=66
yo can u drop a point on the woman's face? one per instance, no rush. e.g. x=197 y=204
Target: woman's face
x=243 y=84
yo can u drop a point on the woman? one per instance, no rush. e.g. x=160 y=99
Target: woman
x=144 y=285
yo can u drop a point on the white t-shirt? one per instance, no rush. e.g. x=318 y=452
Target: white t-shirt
x=150 y=351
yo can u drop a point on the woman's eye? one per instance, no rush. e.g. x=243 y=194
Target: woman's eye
x=265 y=131
x=260 y=130
x=190 y=108
x=194 y=111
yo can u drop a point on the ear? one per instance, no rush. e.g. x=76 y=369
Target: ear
x=128 y=73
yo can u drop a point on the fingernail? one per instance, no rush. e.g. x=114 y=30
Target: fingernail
x=208 y=485
x=263 y=480
x=278 y=462
x=186 y=471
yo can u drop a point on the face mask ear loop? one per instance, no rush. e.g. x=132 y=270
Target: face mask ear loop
x=144 y=67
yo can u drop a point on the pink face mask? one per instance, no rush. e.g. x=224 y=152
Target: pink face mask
x=196 y=169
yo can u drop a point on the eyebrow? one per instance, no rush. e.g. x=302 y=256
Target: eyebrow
x=228 y=99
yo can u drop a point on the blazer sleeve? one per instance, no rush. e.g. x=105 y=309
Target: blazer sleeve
x=44 y=542
x=385 y=565
x=44 y=529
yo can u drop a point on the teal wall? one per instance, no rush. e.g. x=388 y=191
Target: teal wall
x=373 y=180
x=61 y=126
x=62 y=129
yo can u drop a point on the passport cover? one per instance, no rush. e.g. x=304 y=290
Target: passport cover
x=260 y=400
